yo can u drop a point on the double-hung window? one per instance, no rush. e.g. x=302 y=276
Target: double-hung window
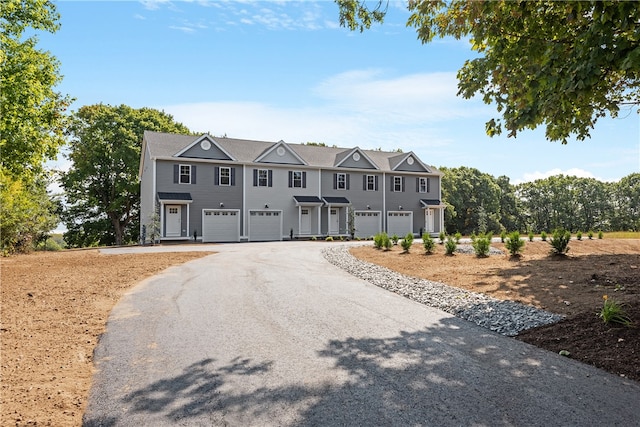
x=341 y=181
x=263 y=177
x=185 y=174
x=398 y=184
x=297 y=179
x=370 y=183
x=225 y=176
x=423 y=185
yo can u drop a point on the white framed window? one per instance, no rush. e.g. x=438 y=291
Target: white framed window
x=297 y=179
x=371 y=183
x=263 y=177
x=185 y=174
x=423 y=185
x=225 y=176
x=397 y=184
x=341 y=181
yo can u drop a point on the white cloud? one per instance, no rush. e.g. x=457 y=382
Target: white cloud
x=577 y=172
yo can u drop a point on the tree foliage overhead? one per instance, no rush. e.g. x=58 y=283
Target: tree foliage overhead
x=102 y=188
x=562 y=65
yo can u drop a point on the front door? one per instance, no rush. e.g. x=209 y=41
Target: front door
x=334 y=221
x=173 y=221
x=428 y=220
x=305 y=221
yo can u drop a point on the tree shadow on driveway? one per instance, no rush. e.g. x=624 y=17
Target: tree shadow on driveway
x=436 y=376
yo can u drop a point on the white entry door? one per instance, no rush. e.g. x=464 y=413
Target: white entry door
x=173 y=221
x=305 y=221
x=334 y=221
x=428 y=220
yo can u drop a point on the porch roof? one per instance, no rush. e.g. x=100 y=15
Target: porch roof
x=177 y=197
x=336 y=201
x=431 y=203
x=307 y=200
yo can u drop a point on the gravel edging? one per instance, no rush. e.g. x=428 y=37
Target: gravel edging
x=504 y=317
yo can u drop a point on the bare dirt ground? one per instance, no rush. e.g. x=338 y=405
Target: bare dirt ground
x=572 y=286
x=54 y=307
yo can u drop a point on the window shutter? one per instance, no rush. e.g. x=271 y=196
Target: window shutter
x=255 y=177
x=193 y=174
x=417 y=184
x=270 y=183
x=376 y=182
x=335 y=181
x=233 y=176
x=393 y=184
x=348 y=175
x=403 y=184
x=290 y=179
x=428 y=185
x=176 y=173
x=216 y=178
x=304 y=180
x=364 y=182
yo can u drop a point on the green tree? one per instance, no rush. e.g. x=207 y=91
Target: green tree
x=32 y=122
x=626 y=203
x=559 y=64
x=102 y=187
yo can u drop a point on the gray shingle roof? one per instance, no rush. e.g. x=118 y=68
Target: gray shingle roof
x=165 y=145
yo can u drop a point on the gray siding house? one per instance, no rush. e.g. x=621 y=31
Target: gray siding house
x=222 y=189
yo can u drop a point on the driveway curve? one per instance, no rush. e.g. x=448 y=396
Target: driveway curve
x=263 y=334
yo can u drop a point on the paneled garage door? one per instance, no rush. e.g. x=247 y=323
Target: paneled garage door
x=220 y=225
x=400 y=223
x=368 y=223
x=265 y=226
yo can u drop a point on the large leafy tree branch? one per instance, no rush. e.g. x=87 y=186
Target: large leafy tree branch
x=102 y=187
x=562 y=65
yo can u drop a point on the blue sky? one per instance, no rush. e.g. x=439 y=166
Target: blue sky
x=272 y=70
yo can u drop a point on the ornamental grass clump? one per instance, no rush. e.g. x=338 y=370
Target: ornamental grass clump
x=612 y=312
x=407 y=242
x=428 y=243
x=514 y=244
x=560 y=242
x=481 y=244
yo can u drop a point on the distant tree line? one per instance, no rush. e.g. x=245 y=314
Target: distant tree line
x=477 y=200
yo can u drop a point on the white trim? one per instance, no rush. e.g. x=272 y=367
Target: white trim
x=416 y=158
x=362 y=153
x=198 y=140
x=274 y=147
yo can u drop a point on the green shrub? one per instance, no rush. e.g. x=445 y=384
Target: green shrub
x=612 y=312
x=386 y=242
x=458 y=236
x=503 y=235
x=441 y=236
x=450 y=246
x=579 y=235
x=531 y=236
x=560 y=242
x=428 y=243
x=329 y=239
x=395 y=239
x=378 y=240
x=49 y=244
x=600 y=234
x=590 y=234
x=314 y=238
x=481 y=244
x=543 y=236
x=407 y=242
x=514 y=243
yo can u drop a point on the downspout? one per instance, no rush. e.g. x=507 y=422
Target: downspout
x=384 y=201
x=319 y=210
x=244 y=216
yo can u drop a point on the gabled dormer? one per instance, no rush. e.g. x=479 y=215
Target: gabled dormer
x=205 y=147
x=354 y=158
x=408 y=162
x=281 y=153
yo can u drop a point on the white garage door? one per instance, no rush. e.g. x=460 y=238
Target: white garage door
x=399 y=223
x=220 y=225
x=368 y=223
x=265 y=226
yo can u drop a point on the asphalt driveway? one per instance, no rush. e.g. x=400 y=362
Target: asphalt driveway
x=264 y=334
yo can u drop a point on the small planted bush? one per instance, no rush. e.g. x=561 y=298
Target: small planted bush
x=514 y=244
x=407 y=242
x=450 y=245
x=378 y=240
x=612 y=312
x=329 y=239
x=600 y=235
x=531 y=236
x=560 y=242
x=395 y=239
x=428 y=243
x=590 y=234
x=543 y=236
x=441 y=237
x=458 y=236
x=503 y=235
x=481 y=244
x=386 y=242
x=579 y=235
